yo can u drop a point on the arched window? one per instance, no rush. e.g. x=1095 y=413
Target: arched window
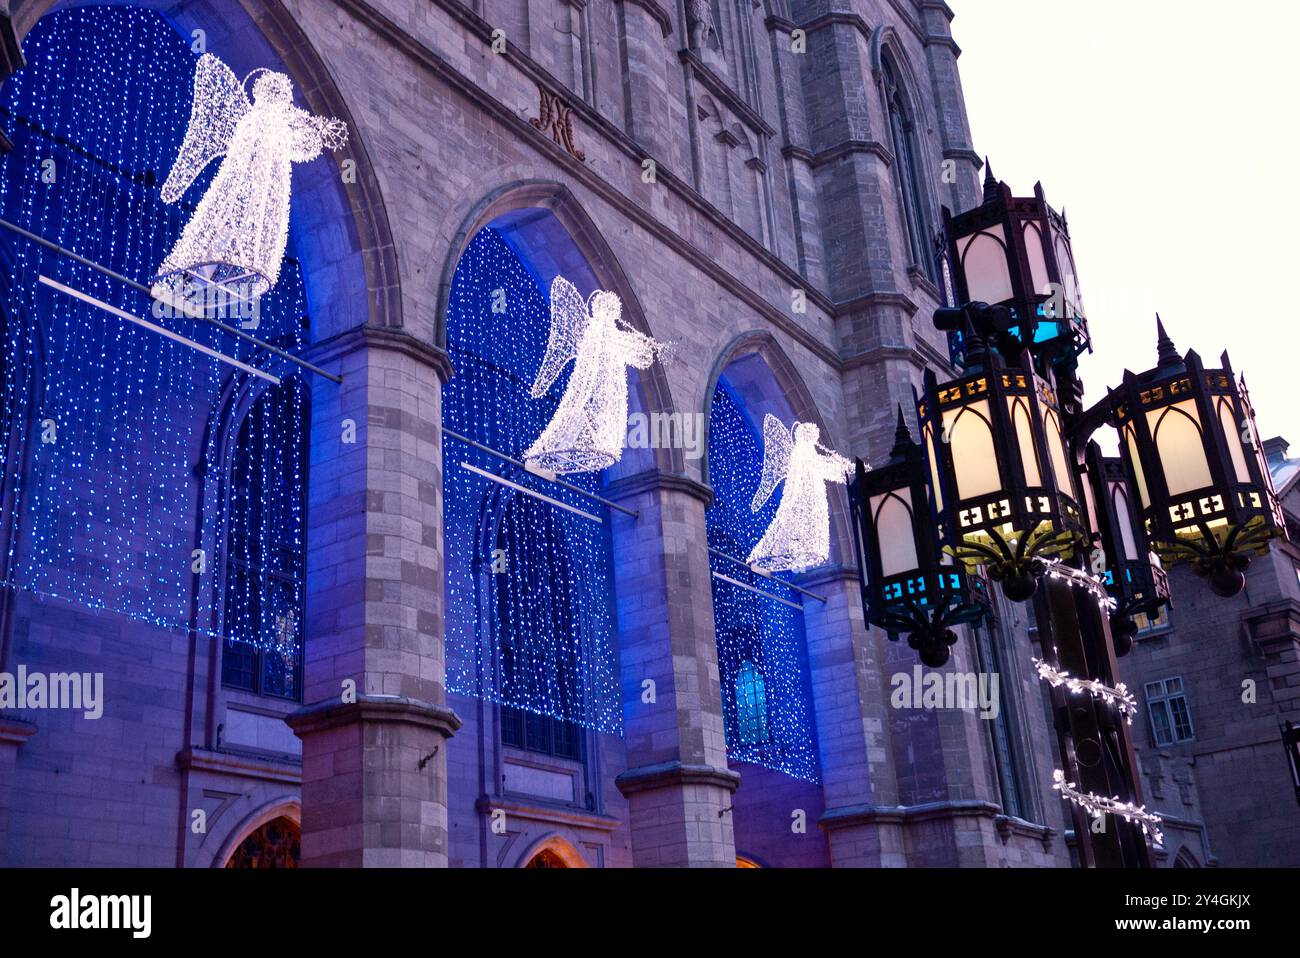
x=529 y=566
x=274 y=845
x=751 y=705
x=535 y=589
x=908 y=165
x=757 y=622
x=265 y=558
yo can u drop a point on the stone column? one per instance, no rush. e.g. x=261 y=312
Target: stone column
x=677 y=782
x=374 y=783
x=644 y=27
x=13 y=733
x=851 y=698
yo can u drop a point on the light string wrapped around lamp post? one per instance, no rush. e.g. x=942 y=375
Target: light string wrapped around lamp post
x=1098 y=805
x=1118 y=695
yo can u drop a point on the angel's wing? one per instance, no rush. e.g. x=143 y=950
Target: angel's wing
x=777 y=446
x=569 y=318
x=219 y=104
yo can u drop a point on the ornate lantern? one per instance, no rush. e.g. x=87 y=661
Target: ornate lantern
x=908 y=585
x=1132 y=573
x=1016 y=252
x=1192 y=453
x=1003 y=483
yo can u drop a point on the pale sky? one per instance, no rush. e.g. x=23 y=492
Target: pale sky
x=1167 y=130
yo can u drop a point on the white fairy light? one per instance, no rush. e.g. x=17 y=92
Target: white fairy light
x=799 y=536
x=1098 y=805
x=589 y=428
x=1119 y=695
x=236 y=237
x=1081 y=580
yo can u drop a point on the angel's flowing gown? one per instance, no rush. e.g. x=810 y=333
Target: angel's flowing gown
x=589 y=428
x=241 y=224
x=799 y=536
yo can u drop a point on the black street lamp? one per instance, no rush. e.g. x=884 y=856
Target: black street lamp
x=1133 y=575
x=908 y=585
x=1004 y=488
x=1018 y=488
x=1190 y=448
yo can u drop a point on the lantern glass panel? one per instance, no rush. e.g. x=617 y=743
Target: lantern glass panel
x=1037 y=262
x=1233 y=437
x=1019 y=412
x=1065 y=262
x=1056 y=448
x=1130 y=439
x=935 y=485
x=1176 y=430
x=984 y=263
x=974 y=457
x=894 y=533
x=1120 y=498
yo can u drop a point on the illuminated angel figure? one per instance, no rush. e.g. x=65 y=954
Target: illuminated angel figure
x=589 y=428
x=236 y=237
x=799 y=537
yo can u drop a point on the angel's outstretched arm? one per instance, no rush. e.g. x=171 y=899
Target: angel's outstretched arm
x=219 y=104
x=569 y=319
x=638 y=349
x=777 y=446
x=313 y=134
x=835 y=468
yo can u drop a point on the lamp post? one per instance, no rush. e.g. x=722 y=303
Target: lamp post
x=908 y=584
x=1017 y=488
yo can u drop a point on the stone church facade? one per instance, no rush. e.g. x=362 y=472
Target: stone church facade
x=761 y=182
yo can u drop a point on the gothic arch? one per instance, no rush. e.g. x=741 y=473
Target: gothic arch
x=353 y=272
x=284 y=807
x=554 y=845
x=515 y=204
x=786 y=396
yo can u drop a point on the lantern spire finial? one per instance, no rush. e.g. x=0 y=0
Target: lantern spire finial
x=990 y=182
x=902 y=435
x=1166 y=352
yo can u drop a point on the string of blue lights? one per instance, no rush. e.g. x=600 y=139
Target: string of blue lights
x=762 y=658
x=110 y=424
x=529 y=586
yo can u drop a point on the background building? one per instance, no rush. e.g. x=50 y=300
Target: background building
x=560 y=681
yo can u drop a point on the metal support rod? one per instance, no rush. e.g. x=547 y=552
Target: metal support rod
x=529 y=492
x=767 y=575
x=555 y=479
x=140 y=287
x=154 y=327
x=749 y=588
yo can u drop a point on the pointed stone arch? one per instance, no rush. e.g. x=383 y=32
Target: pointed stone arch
x=531 y=210
x=555 y=847
x=285 y=807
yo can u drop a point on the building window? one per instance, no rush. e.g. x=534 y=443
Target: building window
x=1005 y=742
x=1171 y=719
x=907 y=153
x=1152 y=625
x=540 y=733
x=274 y=845
x=266 y=546
x=751 y=704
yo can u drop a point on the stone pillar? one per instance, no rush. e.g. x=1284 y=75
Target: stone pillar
x=677 y=782
x=374 y=782
x=644 y=27
x=13 y=733
x=851 y=699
